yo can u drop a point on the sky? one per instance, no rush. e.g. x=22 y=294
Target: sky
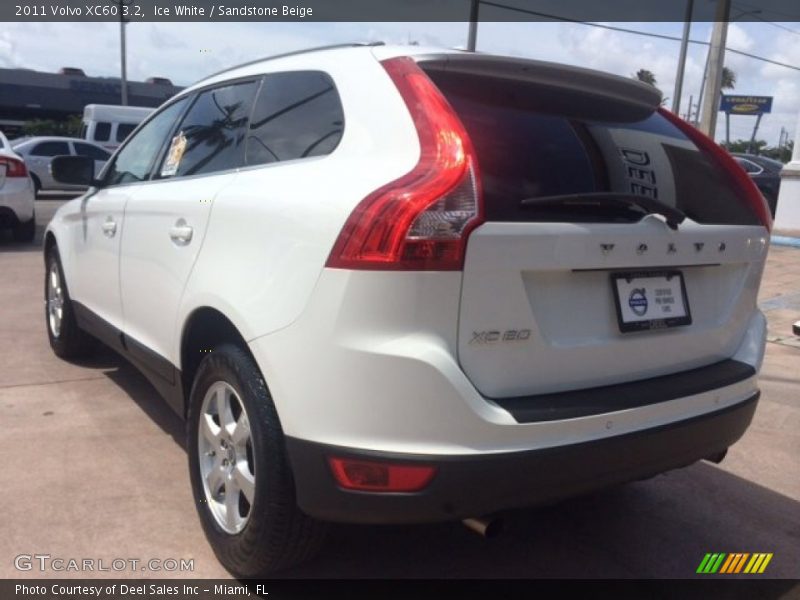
x=186 y=52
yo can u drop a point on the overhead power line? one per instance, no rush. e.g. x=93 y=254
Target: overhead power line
x=778 y=25
x=634 y=32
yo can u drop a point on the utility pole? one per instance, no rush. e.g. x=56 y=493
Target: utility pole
x=710 y=101
x=752 y=148
x=124 y=78
x=473 y=25
x=687 y=25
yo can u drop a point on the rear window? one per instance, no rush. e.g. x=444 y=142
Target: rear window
x=297 y=115
x=91 y=151
x=527 y=150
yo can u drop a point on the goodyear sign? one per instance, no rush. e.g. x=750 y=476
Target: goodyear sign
x=745 y=105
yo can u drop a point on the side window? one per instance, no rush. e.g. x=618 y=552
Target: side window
x=50 y=149
x=135 y=159
x=211 y=136
x=102 y=131
x=124 y=130
x=91 y=151
x=748 y=166
x=296 y=115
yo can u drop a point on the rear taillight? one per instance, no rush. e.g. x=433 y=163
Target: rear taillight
x=719 y=156
x=371 y=476
x=14 y=167
x=420 y=221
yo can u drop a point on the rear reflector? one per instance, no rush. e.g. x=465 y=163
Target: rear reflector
x=741 y=181
x=14 y=167
x=420 y=221
x=369 y=476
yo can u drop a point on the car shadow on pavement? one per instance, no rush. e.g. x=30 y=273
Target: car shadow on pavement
x=658 y=528
x=138 y=389
x=661 y=528
x=7 y=243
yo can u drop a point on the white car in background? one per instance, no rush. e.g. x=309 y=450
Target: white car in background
x=16 y=194
x=396 y=284
x=38 y=152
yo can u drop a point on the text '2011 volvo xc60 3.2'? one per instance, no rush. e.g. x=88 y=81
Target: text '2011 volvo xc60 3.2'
x=394 y=285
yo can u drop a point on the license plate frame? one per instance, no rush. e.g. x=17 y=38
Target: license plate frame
x=645 y=299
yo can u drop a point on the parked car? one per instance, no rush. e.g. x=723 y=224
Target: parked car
x=109 y=125
x=16 y=194
x=38 y=153
x=433 y=285
x=766 y=173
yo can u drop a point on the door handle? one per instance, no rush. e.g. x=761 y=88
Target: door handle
x=181 y=233
x=109 y=227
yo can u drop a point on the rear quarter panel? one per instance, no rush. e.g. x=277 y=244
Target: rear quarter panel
x=271 y=230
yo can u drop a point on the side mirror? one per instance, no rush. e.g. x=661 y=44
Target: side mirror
x=75 y=170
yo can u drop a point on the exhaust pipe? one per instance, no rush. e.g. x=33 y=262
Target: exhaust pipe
x=718 y=457
x=487 y=527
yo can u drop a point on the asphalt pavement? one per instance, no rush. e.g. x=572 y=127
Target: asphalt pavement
x=95 y=467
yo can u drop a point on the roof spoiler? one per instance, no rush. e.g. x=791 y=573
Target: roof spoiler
x=563 y=89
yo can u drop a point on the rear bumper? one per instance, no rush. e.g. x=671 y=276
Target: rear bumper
x=16 y=201
x=477 y=484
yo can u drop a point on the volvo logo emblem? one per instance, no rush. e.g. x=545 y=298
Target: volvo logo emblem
x=698 y=246
x=638 y=301
x=641 y=249
x=606 y=248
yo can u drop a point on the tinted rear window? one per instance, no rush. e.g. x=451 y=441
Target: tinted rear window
x=528 y=150
x=91 y=151
x=297 y=115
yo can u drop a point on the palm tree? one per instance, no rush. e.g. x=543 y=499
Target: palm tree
x=728 y=78
x=645 y=76
x=649 y=78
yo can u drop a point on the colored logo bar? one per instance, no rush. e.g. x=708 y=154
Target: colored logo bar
x=734 y=563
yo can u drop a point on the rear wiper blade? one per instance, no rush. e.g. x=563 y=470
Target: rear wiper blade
x=673 y=216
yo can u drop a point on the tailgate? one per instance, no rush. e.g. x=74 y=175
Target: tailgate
x=578 y=277
x=539 y=314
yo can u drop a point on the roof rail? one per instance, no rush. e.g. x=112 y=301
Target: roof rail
x=294 y=52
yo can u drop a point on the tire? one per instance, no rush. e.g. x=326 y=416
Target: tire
x=37 y=186
x=67 y=340
x=772 y=201
x=25 y=231
x=266 y=532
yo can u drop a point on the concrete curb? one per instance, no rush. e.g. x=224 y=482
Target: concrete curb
x=785 y=240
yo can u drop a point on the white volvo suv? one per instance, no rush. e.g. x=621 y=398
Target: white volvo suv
x=390 y=284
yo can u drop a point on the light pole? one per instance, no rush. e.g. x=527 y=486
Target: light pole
x=719 y=54
x=473 y=25
x=687 y=25
x=716 y=52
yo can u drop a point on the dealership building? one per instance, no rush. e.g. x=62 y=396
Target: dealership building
x=27 y=94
